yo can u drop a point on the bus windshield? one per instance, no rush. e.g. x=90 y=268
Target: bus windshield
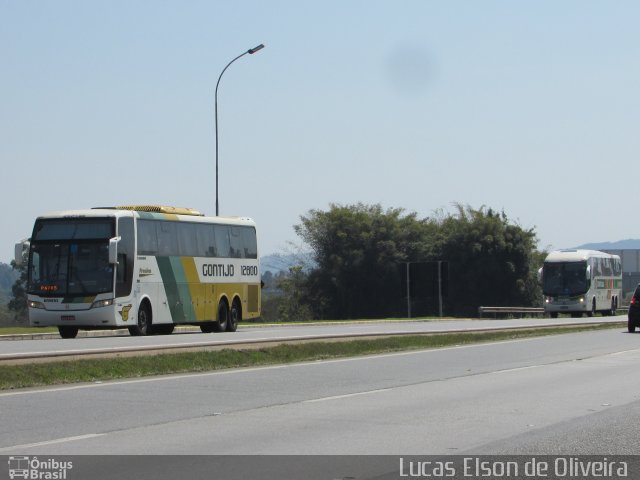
x=71 y=258
x=565 y=278
x=64 y=269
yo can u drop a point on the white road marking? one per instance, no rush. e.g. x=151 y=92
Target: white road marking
x=348 y=395
x=52 y=442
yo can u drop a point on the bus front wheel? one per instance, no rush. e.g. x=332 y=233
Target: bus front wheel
x=68 y=332
x=164 y=328
x=143 y=323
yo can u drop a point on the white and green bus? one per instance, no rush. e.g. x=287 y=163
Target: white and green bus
x=581 y=281
x=145 y=268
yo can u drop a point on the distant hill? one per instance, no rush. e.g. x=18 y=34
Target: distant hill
x=280 y=263
x=629 y=244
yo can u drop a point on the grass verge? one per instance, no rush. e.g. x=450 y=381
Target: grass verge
x=62 y=372
x=22 y=330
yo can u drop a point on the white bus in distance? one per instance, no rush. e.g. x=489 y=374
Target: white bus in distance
x=581 y=281
x=144 y=268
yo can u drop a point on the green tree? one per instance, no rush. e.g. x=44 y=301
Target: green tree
x=292 y=306
x=357 y=250
x=7 y=278
x=18 y=302
x=360 y=251
x=491 y=260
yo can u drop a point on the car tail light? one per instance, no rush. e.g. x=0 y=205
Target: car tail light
x=634 y=300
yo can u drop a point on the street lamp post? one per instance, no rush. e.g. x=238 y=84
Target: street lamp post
x=251 y=51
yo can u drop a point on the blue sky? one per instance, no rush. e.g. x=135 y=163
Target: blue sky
x=527 y=107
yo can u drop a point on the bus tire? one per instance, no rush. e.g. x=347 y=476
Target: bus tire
x=553 y=314
x=164 y=328
x=222 y=320
x=143 y=325
x=206 y=327
x=592 y=312
x=234 y=317
x=67 y=331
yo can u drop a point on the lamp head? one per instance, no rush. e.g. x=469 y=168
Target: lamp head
x=253 y=50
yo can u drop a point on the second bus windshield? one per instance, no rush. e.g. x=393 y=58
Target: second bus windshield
x=565 y=278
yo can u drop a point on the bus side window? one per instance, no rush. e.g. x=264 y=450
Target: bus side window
x=223 y=245
x=249 y=241
x=187 y=241
x=237 y=245
x=205 y=240
x=597 y=270
x=147 y=241
x=167 y=239
x=126 y=249
x=121 y=274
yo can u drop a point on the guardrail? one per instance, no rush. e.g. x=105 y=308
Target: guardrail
x=504 y=311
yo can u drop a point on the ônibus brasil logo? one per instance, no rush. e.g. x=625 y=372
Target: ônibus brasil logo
x=32 y=468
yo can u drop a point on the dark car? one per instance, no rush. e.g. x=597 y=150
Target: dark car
x=634 y=311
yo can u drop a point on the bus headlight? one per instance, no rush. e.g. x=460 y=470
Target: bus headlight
x=581 y=300
x=102 y=303
x=33 y=304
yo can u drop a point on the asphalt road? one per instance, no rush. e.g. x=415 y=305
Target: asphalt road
x=271 y=333
x=572 y=393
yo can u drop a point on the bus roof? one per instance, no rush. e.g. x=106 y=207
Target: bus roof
x=160 y=209
x=160 y=213
x=576 y=255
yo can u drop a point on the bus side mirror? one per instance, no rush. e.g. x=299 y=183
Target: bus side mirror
x=540 y=274
x=20 y=249
x=113 y=250
x=588 y=272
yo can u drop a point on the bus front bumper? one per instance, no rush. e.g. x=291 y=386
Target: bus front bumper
x=570 y=305
x=101 y=317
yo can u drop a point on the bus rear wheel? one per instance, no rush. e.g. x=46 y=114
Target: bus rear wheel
x=143 y=324
x=234 y=317
x=220 y=325
x=206 y=327
x=68 y=332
